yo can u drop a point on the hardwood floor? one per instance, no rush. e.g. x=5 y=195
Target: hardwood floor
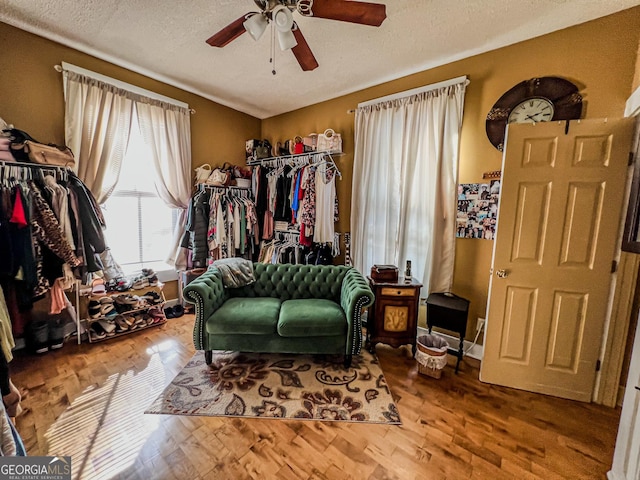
x=88 y=401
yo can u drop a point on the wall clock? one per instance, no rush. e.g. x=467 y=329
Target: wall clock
x=535 y=100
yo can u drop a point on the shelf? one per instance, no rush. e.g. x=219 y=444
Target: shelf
x=132 y=291
x=206 y=185
x=87 y=321
x=128 y=312
x=261 y=161
x=128 y=332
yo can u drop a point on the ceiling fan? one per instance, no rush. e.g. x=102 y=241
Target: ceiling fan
x=280 y=13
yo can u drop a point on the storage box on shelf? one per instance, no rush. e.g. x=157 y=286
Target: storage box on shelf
x=133 y=314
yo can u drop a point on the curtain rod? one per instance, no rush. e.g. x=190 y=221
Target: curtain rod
x=120 y=84
x=415 y=91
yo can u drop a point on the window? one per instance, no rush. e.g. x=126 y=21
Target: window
x=139 y=224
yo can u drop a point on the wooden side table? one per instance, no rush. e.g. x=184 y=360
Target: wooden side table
x=449 y=311
x=393 y=318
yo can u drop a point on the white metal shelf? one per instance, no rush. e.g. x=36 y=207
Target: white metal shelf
x=262 y=161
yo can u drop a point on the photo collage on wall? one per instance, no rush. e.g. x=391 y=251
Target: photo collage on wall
x=478 y=210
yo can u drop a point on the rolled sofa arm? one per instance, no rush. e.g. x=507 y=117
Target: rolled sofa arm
x=208 y=294
x=354 y=296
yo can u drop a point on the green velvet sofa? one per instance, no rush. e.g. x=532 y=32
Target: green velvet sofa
x=288 y=309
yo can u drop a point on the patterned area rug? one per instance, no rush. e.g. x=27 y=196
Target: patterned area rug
x=305 y=387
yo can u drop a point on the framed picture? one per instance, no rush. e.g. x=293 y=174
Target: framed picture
x=477 y=210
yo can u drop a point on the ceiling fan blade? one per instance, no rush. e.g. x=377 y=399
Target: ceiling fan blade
x=365 y=13
x=228 y=33
x=302 y=52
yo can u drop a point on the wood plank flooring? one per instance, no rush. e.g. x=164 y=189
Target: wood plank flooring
x=87 y=401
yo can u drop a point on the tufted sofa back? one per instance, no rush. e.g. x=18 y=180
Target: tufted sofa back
x=290 y=282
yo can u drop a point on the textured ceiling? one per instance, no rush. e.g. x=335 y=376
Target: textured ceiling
x=166 y=40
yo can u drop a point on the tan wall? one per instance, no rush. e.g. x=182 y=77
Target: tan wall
x=601 y=57
x=636 y=77
x=598 y=56
x=32 y=97
x=32 y=100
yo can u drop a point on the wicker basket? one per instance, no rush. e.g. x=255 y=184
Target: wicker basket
x=429 y=371
x=432 y=356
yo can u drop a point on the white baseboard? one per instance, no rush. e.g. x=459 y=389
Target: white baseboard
x=171 y=302
x=476 y=351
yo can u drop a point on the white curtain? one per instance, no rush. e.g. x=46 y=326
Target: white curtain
x=97 y=125
x=405 y=172
x=98 y=118
x=166 y=129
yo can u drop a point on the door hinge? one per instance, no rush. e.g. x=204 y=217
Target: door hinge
x=598 y=365
x=614 y=266
x=631 y=156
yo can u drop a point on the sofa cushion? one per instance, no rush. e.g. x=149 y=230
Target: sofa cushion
x=311 y=317
x=293 y=282
x=252 y=316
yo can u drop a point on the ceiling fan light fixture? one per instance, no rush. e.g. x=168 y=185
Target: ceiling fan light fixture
x=287 y=40
x=256 y=24
x=282 y=18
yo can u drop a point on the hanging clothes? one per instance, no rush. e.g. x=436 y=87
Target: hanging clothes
x=325 y=189
x=301 y=191
x=60 y=206
x=197 y=222
x=46 y=223
x=230 y=225
x=91 y=224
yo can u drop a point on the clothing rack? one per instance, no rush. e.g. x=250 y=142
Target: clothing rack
x=292 y=236
x=239 y=191
x=312 y=159
x=24 y=171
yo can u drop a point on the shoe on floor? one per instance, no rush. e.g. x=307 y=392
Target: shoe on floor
x=121 y=324
x=96 y=332
x=123 y=285
x=94 y=309
x=152 y=297
x=98 y=287
x=157 y=314
x=148 y=272
x=38 y=335
x=56 y=335
x=142 y=282
x=108 y=326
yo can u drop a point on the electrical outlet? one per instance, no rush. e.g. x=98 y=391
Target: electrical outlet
x=479 y=324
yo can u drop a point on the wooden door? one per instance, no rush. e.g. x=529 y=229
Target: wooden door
x=558 y=223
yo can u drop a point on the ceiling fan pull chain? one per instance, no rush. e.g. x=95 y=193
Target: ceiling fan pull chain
x=273 y=49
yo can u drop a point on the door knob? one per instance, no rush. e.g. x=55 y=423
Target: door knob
x=502 y=273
